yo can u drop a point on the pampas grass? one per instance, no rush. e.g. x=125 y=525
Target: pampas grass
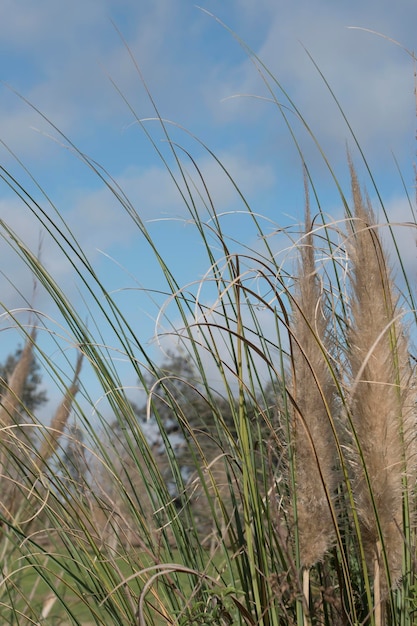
x=380 y=399
x=314 y=396
x=314 y=409
x=308 y=493
x=60 y=419
x=11 y=400
x=14 y=439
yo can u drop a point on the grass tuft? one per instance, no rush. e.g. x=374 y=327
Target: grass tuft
x=282 y=494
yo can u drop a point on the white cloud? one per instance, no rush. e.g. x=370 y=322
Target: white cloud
x=99 y=222
x=154 y=195
x=372 y=78
x=58 y=56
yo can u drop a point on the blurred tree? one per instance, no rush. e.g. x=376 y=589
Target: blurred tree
x=191 y=430
x=178 y=390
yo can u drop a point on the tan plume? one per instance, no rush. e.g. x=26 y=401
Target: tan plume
x=313 y=393
x=60 y=419
x=380 y=406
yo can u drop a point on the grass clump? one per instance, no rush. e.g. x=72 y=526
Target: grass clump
x=288 y=495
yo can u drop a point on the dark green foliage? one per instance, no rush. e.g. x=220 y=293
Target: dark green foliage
x=178 y=385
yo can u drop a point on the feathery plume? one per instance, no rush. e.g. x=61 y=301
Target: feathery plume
x=380 y=405
x=313 y=392
x=10 y=439
x=11 y=399
x=60 y=419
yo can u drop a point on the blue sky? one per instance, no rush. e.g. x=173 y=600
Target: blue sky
x=64 y=59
